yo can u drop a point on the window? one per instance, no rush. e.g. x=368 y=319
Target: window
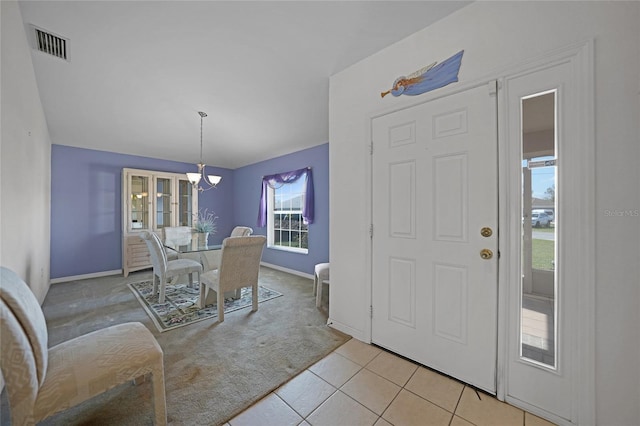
x=286 y=228
x=286 y=209
x=540 y=284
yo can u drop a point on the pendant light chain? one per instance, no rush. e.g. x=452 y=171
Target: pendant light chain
x=202 y=116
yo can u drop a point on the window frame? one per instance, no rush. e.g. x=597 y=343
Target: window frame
x=271 y=212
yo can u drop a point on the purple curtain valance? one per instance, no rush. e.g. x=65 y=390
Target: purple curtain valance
x=276 y=181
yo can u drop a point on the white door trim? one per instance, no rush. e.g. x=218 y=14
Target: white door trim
x=583 y=179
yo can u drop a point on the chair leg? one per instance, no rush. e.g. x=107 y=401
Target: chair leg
x=159 y=399
x=220 y=297
x=319 y=294
x=254 y=297
x=162 y=289
x=155 y=284
x=191 y=280
x=315 y=283
x=203 y=295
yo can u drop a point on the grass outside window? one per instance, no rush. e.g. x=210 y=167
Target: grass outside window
x=543 y=255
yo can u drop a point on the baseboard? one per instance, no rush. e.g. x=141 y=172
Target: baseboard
x=86 y=276
x=119 y=271
x=356 y=334
x=290 y=271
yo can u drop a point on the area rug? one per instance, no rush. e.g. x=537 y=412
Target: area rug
x=181 y=303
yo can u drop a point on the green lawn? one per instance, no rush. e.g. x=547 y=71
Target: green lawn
x=543 y=254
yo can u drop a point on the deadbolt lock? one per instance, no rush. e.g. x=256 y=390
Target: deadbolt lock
x=486 y=232
x=486 y=254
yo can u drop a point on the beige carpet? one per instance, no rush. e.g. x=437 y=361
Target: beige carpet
x=212 y=371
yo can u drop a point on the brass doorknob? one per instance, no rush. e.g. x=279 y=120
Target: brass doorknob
x=486 y=232
x=486 y=254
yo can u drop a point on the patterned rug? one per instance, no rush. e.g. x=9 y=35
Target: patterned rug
x=181 y=303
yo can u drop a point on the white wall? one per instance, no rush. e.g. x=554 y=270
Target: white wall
x=496 y=36
x=25 y=151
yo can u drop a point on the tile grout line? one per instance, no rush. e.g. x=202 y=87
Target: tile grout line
x=287 y=404
x=396 y=396
x=339 y=389
x=364 y=367
x=458 y=404
x=304 y=418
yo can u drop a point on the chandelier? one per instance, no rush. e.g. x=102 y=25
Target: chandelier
x=211 y=181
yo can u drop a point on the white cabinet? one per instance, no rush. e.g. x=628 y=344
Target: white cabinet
x=151 y=201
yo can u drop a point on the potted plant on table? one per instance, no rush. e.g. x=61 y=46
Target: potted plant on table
x=204 y=224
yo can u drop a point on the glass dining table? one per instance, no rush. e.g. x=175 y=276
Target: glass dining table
x=207 y=254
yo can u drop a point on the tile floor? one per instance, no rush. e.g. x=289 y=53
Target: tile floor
x=360 y=384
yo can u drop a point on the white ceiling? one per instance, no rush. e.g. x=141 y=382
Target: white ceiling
x=140 y=70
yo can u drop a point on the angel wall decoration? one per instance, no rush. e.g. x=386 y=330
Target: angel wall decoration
x=428 y=78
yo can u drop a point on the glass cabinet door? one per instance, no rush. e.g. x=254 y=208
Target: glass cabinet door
x=156 y=200
x=139 y=218
x=164 y=212
x=185 y=203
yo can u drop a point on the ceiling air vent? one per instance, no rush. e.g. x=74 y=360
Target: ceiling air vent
x=50 y=43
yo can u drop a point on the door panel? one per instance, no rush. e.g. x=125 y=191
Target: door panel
x=434 y=297
x=402 y=220
x=402 y=299
x=450 y=297
x=545 y=384
x=450 y=197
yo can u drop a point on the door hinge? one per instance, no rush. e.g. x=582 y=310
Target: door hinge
x=493 y=87
x=371 y=148
x=371 y=311
x=371 y=231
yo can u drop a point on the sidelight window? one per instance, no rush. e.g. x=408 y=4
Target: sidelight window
x=539 y=319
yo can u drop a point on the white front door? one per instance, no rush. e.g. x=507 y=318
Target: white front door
x=435 y=253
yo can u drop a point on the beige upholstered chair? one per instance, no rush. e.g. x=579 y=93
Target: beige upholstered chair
x=239 y=267
x=320 y=276
x=163 y=269
x=41 y=382
x=175 y=236
x=241 y=231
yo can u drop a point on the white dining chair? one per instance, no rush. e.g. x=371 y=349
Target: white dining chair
x=163 y=269
x=241 y=231
x=239 y=267
x=320 y=276
x=175 y=236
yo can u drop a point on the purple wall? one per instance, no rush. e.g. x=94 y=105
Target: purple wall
x=247 y=187
x=86 y=206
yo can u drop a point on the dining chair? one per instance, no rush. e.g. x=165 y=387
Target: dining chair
x=175 y=236
x=320 y=276
x=241 y=231
x=164 y=269
x=43 y=381
x=239 y=267
x=213 y=261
